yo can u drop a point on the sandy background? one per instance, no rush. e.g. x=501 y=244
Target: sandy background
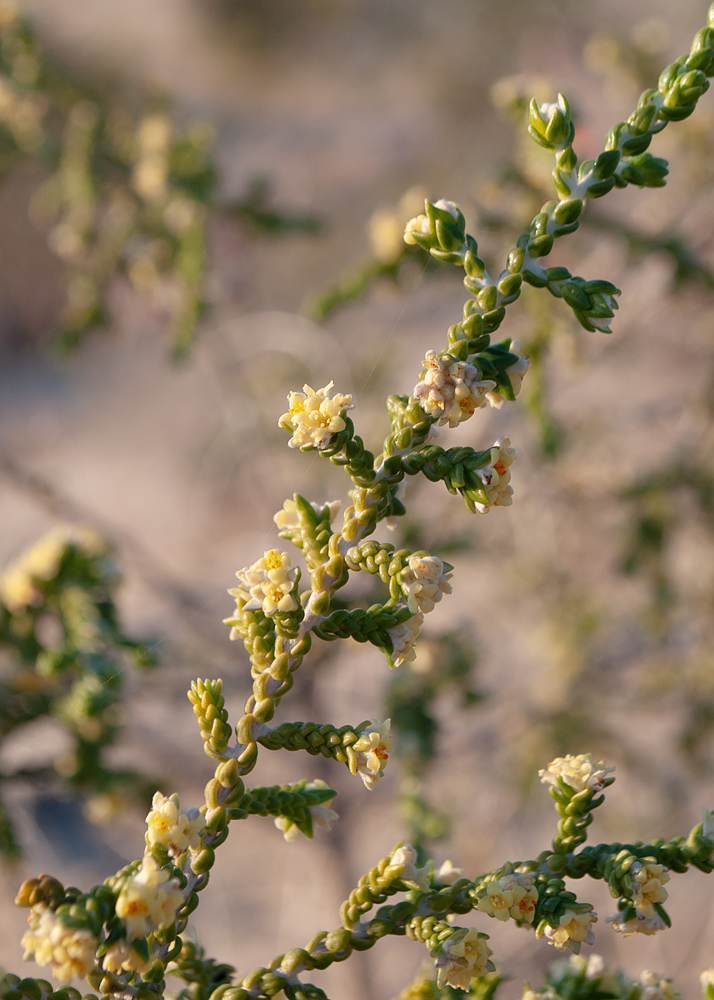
x=344 y=105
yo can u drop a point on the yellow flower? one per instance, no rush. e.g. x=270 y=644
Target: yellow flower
x=121 y=957
x=637 y=925
x=448 y=874
x=404 y=638
x=68 y=950
x=574 y=927
x=177 y=829
x=424 y=581
x=149 y=900
x=372 y=752
x=287 y=518
x=515 y=372
x=578 y=772
x=497 y=902
x=648 y=888
x=18 y=584
x=403 y=859
x=268 y=585
x=462 y=957
x=510 y=896
x=450 y=389
x=314 y=417
x=496 y=476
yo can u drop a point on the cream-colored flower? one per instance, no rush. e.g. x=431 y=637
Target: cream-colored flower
x=573 y=929
x=322 y=816
x=496 y=476
x=462 y=957
x=655 y=988
x=371 y=751
x=149 y=900
x=404 y=638
x=424 y=581
x=287 y=519
x=269 y=584
x=314 y=416
x=637 y=924
x=451 y=390
x=386 y=227
x=708 y=823
x=515 y=372
x=448 y=874
x=403 y=860
x=68 y=950
x=648 y=887
x=419 y=226
x=510 y=896
x=121 y=957
x=579 y=772
x=18 y=584
x=177 y=829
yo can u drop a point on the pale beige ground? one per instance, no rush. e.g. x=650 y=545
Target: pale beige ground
x=344 y=106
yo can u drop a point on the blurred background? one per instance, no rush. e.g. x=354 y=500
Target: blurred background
x=198 y=208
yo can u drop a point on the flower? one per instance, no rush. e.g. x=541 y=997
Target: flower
x=448 y=874
x=424 y=581
x=175 y=828
x=404 y=637
x=462 y=957
x=637 y=924
x=69 y=950
x=386 y=227
x=579 y=773
x=496 y=476
x=708 y=824
x=419 y=226
x=371 y=752
x=149 y=900
x=268 y=585
x=647 y=883
x=510 y=896
x=654 y=988
x=121 y=957
x=314 y=417
x=573 y=928
x=403 y=859
x=322 y=816
x=287 y=519
x=515 y=372
x=451 y=390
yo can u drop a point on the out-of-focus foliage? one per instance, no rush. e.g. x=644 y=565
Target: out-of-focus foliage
x=62 y=651
x=126 y=191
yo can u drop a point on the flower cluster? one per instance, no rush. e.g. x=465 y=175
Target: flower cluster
x=511 y=895
x=122 y=956
x=371 y=752
x=637 y=924
x=68 y=950
x=268 y=585
x=149 y=900
x=462 y=957
x=287 y=518
x=314 y=417
x=653 y=987
x=174 y=828
x=404 y=638
x=18 y=584
x=496 y=476
x=450 y=389
x=424 y=581
x=578 y=772
x=648 y=888
x=574 y=927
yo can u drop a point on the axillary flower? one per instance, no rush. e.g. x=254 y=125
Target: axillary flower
x=176 y=829
x=496 y=476
x=269 y=584
x=404 y=638
x=648 y=887
x=637 y=924
x=69 y=950
x=515 y=372
x=403 y=860
x=450 y=389
x=510 y=896
x=462 y=957
x=322 y=816
x=424 y=581
x=149 y=900
x=655 y=988
x=371 y=752
x=578 y=772
x=315 y=417
x=122 y=957
x=574 y=928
